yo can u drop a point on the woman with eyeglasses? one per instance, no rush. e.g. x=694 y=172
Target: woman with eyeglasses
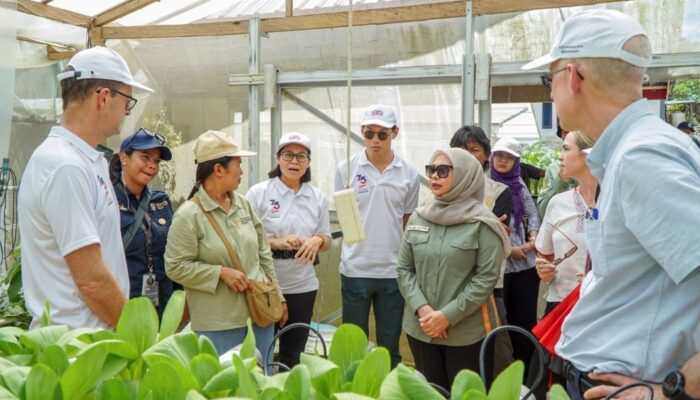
x=296 y=220
x=520 y=281
x=561 y=243
x=145 y=214
x=449 y=262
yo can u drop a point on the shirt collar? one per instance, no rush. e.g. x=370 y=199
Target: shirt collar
x=611 y=137
x=210 y=205
x=395 y=162
x=90 y=152
x=283 y=189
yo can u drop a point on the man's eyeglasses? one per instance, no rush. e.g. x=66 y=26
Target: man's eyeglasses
x=569 y=253
x=370 y=134
x=146 y=132
x=130 y=102
x=289 y=156
x=547 y=78
x=442 y=170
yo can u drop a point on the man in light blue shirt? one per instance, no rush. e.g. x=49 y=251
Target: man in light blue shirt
x=638 y=314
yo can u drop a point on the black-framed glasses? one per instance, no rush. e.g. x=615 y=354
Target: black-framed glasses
x=369 y=135
x=569 y=253
x=442 y=170
x=146 y=132
x=547 y=78
x=289 y=156
x=130 y=102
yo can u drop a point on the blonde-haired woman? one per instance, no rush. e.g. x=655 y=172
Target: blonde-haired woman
x=561 y=242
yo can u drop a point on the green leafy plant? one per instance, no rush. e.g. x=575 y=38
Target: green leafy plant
x=160 y=124
x=143 y=360
x=12 y=309
x=686 y=89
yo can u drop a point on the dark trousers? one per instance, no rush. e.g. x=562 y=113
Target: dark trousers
x=300 y=308
x=384 y=295
x=440 y=364
x=520 y=297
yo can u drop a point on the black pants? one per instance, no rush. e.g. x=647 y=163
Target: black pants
x=440 y=364
x=300 y=307
x=520 y=296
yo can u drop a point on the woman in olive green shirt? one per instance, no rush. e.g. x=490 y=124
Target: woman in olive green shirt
x=196 y=257
x=449 y=261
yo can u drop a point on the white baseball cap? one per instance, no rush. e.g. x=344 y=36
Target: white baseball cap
x=508 y=145
x=211 y=145
x=594 y=34
x=101 y=63
x=381 y=115
x=294 y=138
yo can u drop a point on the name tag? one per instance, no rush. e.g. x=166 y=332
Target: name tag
x=419 y=228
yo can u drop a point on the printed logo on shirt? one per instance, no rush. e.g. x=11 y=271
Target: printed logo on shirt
x=362 y=186
x=104 y=187
x=162 y=205
x=245 y=220
x=274 y=208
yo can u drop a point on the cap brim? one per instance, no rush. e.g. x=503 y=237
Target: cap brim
x=165 y=153
x=506 y=150
x=376 y=122
x=243 y=153
x=539 y=62
x=137 y=85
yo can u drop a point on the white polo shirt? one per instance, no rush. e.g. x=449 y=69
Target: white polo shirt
x=283 y=212
x=66 y=202
x=383 y=199
x=567 y=212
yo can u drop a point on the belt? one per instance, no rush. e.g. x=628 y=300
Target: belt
x=289 y=254
x=573 y=375
x=283 y=254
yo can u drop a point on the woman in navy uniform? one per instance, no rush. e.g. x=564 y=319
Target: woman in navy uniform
x=145 y=214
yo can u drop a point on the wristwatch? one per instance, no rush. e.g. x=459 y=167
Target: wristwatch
x=673 y=386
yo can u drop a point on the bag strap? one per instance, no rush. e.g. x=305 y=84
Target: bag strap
x=232 y=254
x=138 y=218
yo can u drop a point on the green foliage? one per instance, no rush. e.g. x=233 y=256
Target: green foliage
x=12 y=309
x=160 y=124
x=686 y=89
x=540 y=155
x=141 y=361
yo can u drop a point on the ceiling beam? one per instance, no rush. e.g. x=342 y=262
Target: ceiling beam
x=373 y=16
x=53 y=13
x=120 y=10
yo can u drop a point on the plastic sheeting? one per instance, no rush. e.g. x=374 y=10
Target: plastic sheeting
x=191 y=74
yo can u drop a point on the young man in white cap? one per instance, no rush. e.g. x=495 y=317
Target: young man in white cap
x=387 y=193
x=637 y=318
x=72 y=254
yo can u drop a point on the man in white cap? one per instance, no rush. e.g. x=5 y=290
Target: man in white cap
x=387 y=193
x=637 y=318
x=72 y=255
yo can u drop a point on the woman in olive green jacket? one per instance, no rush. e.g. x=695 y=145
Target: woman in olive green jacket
x=450 y=258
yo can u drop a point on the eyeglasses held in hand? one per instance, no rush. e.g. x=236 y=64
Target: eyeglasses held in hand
x=547 y=78
x=130 y=102
x=442 y=170
x=370 y=134
x=289 y=156
x=569 y=253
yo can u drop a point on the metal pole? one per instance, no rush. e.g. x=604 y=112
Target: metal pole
x=482 y=91
x=468 y=69
x=254 y=100
x=276 y=123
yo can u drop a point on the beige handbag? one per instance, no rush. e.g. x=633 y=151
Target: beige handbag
x=264 y=302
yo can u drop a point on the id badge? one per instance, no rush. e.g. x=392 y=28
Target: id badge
x=149 y=288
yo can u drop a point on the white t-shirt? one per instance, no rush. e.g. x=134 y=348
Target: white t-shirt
x=566 y=211
x=283 y=212
x=66 y=202
x=383 y=199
